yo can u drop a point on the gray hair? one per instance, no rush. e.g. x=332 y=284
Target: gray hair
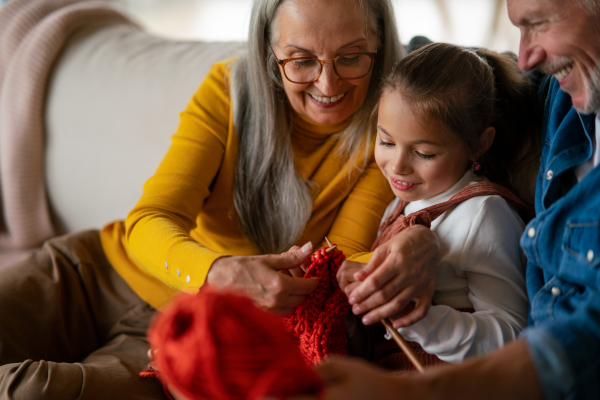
x=272 y=201
x=590 y=6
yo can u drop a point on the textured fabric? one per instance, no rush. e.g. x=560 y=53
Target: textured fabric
x=582 y=169
x=218 y=345
x=318 y=323
x=562 y=245
x=71 y=327
x=481 y=267
x=185 y=219
x=397 y=222
x=32 y=33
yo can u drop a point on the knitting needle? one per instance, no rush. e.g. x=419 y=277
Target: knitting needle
x=414 y=359
x=331 y=246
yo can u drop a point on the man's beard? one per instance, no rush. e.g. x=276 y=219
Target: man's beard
x=592 y=84
x=592 y=89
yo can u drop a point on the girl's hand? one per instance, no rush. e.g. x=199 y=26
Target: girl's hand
x=258 y=278
x=401 y=271
x=346 y=275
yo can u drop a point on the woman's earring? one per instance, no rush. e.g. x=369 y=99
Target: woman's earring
x=476 y=166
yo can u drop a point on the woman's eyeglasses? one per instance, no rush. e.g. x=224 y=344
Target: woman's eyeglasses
x=307 y=70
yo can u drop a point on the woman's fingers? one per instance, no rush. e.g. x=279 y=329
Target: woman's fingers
x=259 y=277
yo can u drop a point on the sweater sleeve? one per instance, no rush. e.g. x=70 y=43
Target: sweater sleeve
x=355 y=227
x=158 y=228
x=493 y=264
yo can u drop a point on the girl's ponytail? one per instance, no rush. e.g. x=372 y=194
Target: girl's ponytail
x=516 y=144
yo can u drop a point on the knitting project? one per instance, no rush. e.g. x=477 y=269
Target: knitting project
x=318 y=323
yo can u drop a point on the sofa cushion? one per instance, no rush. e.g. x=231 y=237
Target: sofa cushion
x=113 y=102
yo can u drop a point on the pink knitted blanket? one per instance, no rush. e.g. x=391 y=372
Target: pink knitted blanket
x=32 y=34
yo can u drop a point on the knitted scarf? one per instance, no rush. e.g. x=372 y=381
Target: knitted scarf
x=318 y=323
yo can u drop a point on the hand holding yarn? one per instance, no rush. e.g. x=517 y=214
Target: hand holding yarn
x=318 y=323
x=258 y=278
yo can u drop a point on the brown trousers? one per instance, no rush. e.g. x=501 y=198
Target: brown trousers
x=71 y=328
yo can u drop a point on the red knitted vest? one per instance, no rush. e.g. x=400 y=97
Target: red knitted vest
x=388 y=355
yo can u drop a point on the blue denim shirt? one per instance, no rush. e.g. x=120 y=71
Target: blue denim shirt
x=562 y=245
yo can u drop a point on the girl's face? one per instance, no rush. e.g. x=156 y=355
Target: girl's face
x=417 y=158
x=324 y=29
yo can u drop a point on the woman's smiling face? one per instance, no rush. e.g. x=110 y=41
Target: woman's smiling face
x=323 y=29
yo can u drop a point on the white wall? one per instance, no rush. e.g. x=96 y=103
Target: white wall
x=464 y=22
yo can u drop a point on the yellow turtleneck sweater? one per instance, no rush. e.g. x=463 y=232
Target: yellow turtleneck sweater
x=186 y=219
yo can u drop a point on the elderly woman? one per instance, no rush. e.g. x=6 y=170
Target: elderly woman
x=273 y=153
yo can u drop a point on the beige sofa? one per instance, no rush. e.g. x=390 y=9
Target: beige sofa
x=113 y=100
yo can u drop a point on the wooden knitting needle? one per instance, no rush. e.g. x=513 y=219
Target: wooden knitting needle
x=414 y=359
x=331 y=246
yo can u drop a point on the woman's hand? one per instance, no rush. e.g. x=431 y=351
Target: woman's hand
x=259 y=278
x=401 y=272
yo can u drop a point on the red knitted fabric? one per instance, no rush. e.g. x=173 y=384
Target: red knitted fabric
x=216 y=345
x=318 y=323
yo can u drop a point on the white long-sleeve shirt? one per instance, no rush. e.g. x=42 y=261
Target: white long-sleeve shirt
x=481 y=266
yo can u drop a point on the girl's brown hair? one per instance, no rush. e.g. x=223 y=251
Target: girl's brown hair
x=466 y=91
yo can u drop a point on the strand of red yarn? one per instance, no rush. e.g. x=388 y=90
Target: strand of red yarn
x=318 y=323
x=153 y=373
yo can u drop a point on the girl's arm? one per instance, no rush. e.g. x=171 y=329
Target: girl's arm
x=483 y=249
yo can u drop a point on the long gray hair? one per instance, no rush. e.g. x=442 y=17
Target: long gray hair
x=272 y=201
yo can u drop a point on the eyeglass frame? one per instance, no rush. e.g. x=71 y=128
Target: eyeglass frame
x=282 y=63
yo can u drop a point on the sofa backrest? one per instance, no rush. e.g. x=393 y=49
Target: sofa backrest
x=113 y=102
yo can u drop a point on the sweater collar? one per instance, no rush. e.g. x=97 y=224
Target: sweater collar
x=467 y=179
x=305 y=127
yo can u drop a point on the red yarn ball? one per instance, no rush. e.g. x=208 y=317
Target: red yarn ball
x=216 y=345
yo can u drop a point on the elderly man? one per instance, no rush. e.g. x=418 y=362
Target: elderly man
x=558 y=356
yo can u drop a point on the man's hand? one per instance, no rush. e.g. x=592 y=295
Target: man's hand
x=351 y=378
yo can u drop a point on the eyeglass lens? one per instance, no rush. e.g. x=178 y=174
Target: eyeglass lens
x=308 y=70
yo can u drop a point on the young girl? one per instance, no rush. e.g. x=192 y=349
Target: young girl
x=450 y=121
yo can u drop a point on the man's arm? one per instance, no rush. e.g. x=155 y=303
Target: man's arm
x=507 y=373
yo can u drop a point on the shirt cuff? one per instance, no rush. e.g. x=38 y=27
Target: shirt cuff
x=551 y=363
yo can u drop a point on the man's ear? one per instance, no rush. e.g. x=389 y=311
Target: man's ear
x=485 y=141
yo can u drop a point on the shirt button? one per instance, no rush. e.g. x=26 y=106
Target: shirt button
x=178 y=273
x=166 y=265
x=590 y=255
x=187 y=279
x=556 y=291
x=549 y=175
x=531 y=232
